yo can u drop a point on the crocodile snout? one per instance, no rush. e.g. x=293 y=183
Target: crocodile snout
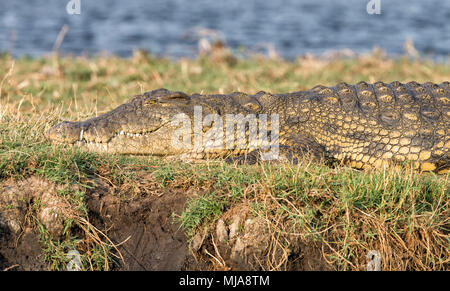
x=66 y=132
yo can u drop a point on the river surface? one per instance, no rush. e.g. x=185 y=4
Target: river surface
x=173 y=28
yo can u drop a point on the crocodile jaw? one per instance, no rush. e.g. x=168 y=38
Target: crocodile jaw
x=157 y=143
x=154 y=142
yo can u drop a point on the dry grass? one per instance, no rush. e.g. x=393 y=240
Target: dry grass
x=88 y=86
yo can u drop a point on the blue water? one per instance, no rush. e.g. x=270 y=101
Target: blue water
x=166 y=27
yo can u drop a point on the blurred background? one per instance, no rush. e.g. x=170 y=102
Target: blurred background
x=180 y=28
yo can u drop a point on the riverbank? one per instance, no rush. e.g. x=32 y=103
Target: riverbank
x=144 y=213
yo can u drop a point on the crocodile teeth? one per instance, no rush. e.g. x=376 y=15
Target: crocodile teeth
x=81 y=135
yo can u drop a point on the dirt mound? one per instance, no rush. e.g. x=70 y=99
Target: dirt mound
x=19 y=203
x=241 y=241
x=142 y=228
x=143 y=231
x=151 y=239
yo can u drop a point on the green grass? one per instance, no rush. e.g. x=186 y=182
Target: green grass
x=400 y=212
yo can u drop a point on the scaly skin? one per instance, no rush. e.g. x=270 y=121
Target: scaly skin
x=362 y=125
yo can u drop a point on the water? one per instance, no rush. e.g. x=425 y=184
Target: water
x=165 y=27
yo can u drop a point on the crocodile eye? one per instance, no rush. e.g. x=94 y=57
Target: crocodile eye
x=148 y=102
x=173 y=97
x=247 y=101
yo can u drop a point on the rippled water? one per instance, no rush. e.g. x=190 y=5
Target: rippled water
x=166 y=27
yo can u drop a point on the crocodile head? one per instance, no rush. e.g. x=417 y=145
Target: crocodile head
x=141 y=126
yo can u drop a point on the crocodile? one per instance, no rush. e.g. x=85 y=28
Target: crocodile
x=363 y=125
